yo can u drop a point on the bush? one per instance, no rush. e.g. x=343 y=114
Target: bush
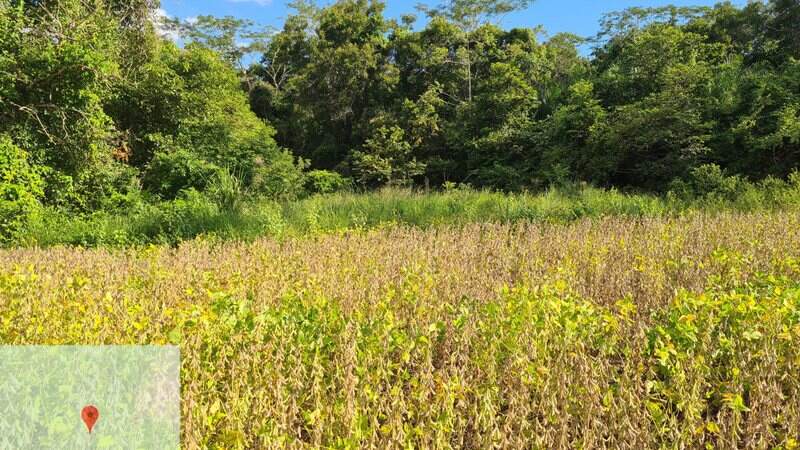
x=169 y=173
x=227 y=191
x=794 y=179
x=190 y=121
x=710 y=179
x=386 y=158
x=280 y=178
x=21 y=187
x=326 y=182
x=108 y=187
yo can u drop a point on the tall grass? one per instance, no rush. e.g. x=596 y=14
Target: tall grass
x=173 y=222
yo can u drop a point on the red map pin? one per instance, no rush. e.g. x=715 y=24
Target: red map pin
x=90 y=414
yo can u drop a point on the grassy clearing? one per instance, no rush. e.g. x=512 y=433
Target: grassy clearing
x=173 y=222
x=649 y=332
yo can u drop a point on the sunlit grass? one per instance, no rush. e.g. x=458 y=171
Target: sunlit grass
x=184 y=219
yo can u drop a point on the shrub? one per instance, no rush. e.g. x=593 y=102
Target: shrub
x=711 y=180
x=169 y=173
x=386 y=158
x=108 y=187
x=281 y=178
x=188 y=118
x=21 y=187
x=325 y=182
x=226 y=190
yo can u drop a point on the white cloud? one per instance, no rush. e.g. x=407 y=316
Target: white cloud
x=158 y=22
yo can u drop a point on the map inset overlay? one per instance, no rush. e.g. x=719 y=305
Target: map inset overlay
x=43 y=389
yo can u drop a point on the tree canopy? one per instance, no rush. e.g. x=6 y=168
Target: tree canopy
x=665 y=90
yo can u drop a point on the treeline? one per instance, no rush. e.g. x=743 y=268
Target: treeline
x=665 y=91
x=100 y=110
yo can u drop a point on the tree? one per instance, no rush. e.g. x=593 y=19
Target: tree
x=571 y=139
x=53 y=83
x=101 y=104
x=232 y=38
x=187 y=113
x=782 y=29
x=324 y=85
x=469 y=16
x=386 y=158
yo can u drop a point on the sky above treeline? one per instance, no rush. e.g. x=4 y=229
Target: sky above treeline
x=580 y=17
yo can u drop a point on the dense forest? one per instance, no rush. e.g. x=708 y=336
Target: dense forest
x=100 y=109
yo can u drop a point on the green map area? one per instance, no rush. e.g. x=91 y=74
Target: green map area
x=136 y=390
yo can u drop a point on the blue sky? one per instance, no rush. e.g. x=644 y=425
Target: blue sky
x=576 y=16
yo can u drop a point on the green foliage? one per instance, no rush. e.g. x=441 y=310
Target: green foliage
x=168 y=174
x=325 y=182
x=227 y=209
x=191 y=215
x=66 y=128
x=702 y=102
x=471 y=13
x=709 y=179
x=280 y=178
x=667 y=90
x=581 y=122
x=386 y=159
x=103 y=106
x=191 y=118
x=231 y=38
x=21 y=188
x=227 y=191
x=705 y=345
x=333 y=83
